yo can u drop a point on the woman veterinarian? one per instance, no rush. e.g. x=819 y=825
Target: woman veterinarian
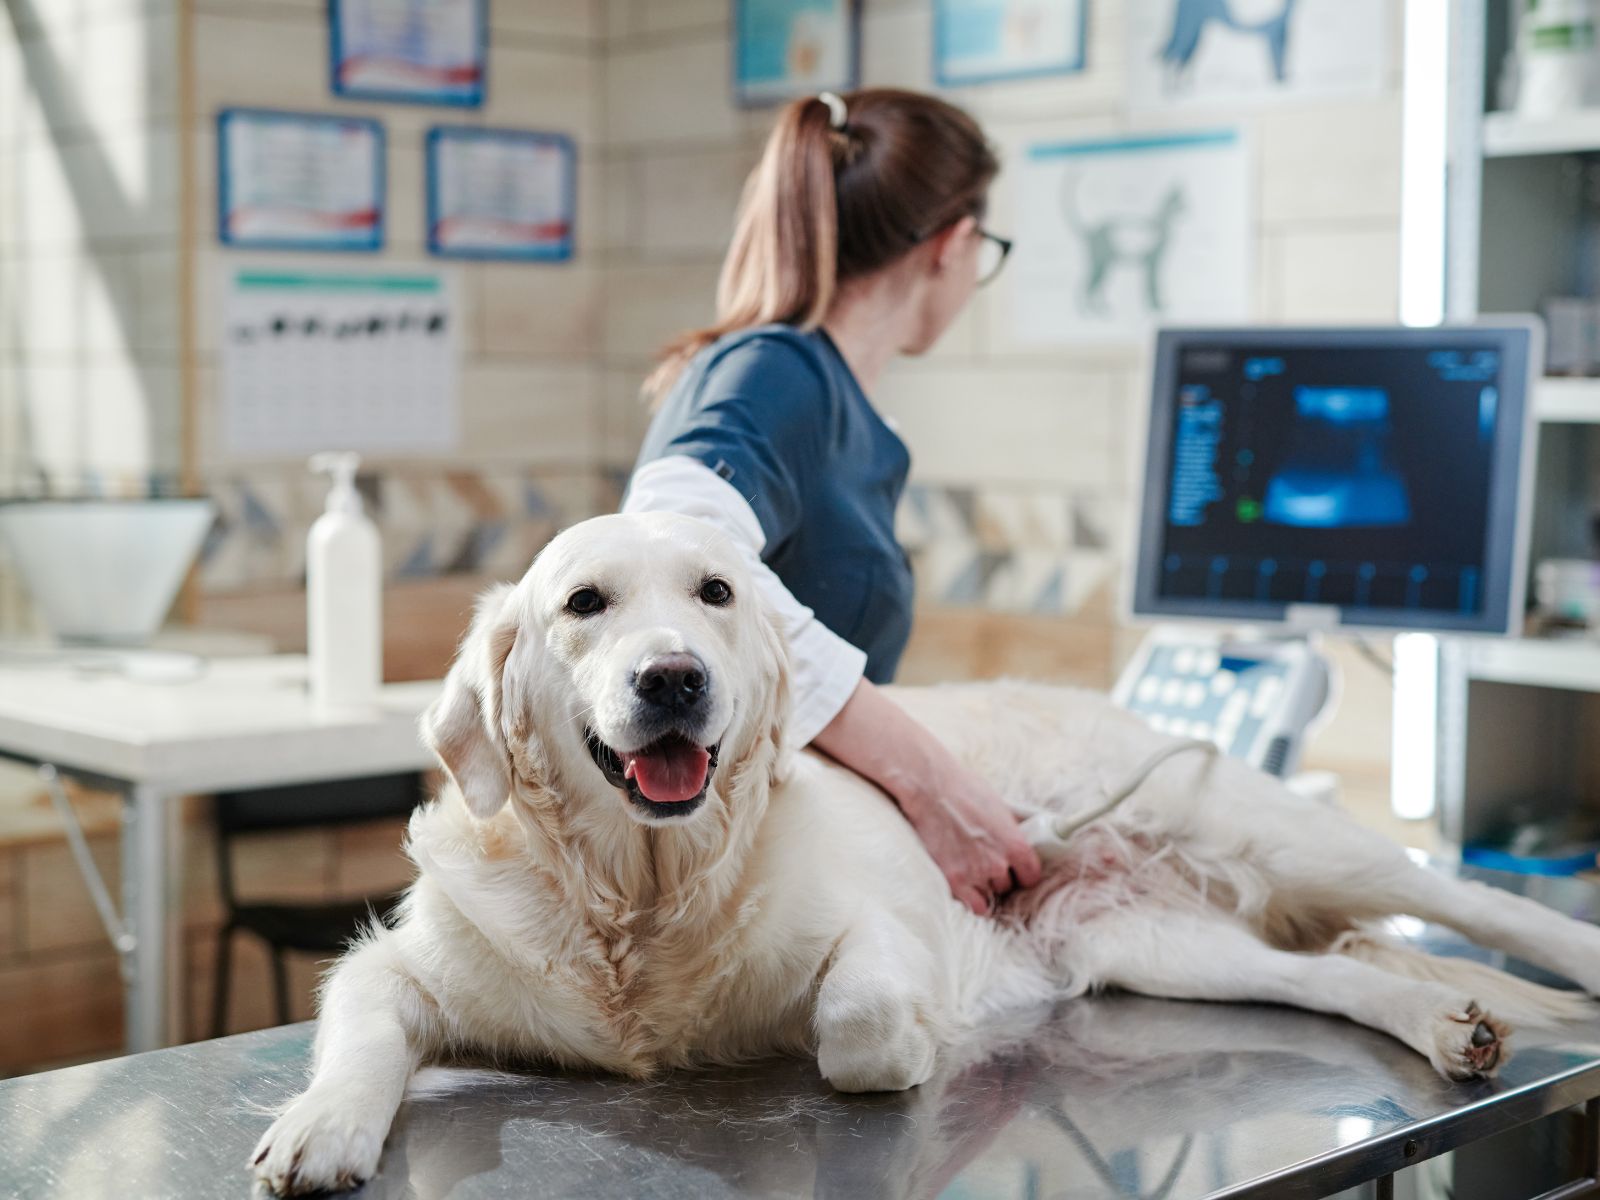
x=859 y=238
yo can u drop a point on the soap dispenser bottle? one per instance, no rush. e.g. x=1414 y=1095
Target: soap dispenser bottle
x=344 y=596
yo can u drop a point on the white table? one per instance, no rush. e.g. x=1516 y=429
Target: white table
x=245 y=723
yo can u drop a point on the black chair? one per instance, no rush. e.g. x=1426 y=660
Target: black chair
x=316 y=928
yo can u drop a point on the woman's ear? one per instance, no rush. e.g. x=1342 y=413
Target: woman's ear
x=949 y=243
x=463 y=725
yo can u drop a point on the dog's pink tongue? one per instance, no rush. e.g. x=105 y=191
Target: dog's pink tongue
x=670 y=773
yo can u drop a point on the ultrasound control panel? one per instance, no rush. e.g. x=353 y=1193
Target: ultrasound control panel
x=1253 y=700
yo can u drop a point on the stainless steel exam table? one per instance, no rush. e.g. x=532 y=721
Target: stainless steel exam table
x=1113 y=1096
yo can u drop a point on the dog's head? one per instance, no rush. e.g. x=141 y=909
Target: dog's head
x=634 y=667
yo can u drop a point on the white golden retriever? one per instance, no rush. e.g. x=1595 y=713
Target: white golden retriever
x=631 y=871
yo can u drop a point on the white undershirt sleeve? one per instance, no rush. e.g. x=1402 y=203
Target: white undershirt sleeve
x=824 y=668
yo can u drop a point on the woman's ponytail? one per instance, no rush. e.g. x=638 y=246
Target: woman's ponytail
x=783 y=260
x=833 y=199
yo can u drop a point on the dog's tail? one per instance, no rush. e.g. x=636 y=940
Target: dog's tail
x=1506 y=996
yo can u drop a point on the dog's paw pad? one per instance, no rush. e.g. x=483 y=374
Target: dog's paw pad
x=1469 y=1044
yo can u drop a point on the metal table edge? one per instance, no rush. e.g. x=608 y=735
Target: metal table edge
x=1372 y=1158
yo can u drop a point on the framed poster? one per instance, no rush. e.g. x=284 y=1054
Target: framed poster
x=416 y=51
x=788 y=48
x=1124 y=234
x=1188 y=53
x=500 y=193
x=982 y=41
x=299 y=181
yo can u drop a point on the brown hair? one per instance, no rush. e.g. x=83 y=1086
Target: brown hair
x=827 y=205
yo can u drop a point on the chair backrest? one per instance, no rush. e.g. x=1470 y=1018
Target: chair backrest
x=310 y=805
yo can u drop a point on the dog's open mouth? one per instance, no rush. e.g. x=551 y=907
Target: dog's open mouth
x=667 y=778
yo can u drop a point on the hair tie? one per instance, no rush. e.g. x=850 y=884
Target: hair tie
x=836 y=109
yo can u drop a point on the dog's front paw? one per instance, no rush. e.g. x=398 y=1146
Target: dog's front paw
x=1468 y=1043
x=873 y=1043
x=318 y=1145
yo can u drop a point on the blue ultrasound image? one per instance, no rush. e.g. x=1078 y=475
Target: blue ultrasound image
x=1319 y=476
x=1339 y=471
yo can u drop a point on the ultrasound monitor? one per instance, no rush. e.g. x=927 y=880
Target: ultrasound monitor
x=1325 y=477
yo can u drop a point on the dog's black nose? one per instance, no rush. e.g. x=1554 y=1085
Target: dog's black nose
x=671 y=680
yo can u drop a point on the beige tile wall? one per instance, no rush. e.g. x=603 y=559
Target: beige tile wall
x=530 y=382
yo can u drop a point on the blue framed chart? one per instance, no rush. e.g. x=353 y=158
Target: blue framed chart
x=416 y=51
x=299 y=181
x=498 y=193
x=788 y=48
x=981 y=41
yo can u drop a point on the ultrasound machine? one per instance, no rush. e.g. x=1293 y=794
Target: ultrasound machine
x=1306 y=482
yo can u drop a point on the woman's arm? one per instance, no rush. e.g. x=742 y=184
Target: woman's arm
x=963 y=822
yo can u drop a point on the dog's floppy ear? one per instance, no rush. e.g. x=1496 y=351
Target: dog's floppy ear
x=775 y=648
x=463 y=725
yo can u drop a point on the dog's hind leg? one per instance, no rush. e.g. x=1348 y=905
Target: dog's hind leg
x=1332 y=867
x=368 y=1045
x=1495 y=918
x=1209 y=956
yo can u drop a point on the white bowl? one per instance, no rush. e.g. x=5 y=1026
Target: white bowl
x=104 y=570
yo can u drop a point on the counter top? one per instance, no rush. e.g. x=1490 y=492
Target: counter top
x=243 y=722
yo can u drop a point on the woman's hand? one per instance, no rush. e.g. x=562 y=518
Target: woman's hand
x=966 y=826
x=972 y=836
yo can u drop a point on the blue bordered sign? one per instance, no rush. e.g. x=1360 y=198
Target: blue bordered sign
x=500 y=193
x=984 y=41
x=299 y=181
x=1128 y=233
x=413 y=51
x=788 y=48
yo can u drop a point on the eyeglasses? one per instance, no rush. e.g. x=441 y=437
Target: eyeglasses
x=992 y=254
x=993 y=251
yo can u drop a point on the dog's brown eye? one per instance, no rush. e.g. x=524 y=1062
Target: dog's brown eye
x=585 y=602
x=714 y=591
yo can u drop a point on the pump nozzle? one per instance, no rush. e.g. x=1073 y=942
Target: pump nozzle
x=340 y=466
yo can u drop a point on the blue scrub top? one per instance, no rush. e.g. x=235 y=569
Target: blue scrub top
x=779 y=415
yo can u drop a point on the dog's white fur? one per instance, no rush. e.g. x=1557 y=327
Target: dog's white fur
x=796 y=912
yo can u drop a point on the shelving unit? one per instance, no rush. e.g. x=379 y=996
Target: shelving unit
x=1568 y=402
x=1506 y=135
x=1516 y=724
x=1570 y=664
x=1522 y=225
x=1515 y=721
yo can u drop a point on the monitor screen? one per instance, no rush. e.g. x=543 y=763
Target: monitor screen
x=1355 y=476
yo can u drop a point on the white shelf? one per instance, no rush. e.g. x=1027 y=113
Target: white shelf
x=1567 y=401
x=1506 y=135
x=1569 y=663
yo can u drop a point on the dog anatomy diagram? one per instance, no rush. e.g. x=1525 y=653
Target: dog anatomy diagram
x=1127 y=233
x=1243 y=51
